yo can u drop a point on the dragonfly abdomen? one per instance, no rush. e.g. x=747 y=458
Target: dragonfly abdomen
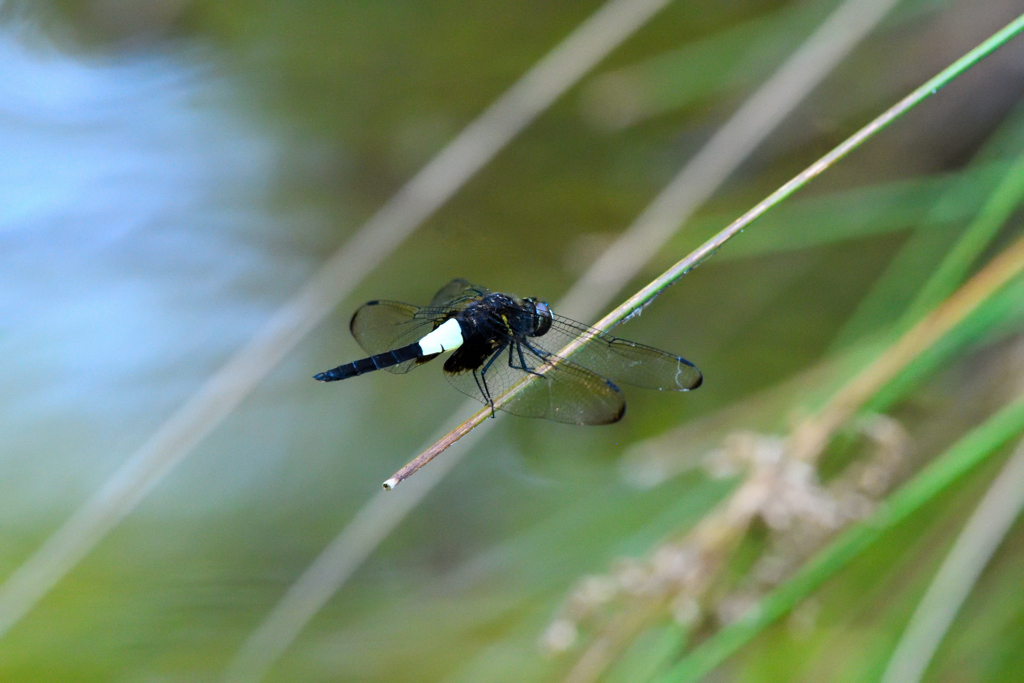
x=365 y=365
x=446 y=337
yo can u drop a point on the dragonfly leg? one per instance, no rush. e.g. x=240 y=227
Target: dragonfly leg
x=482 y=388
x=541 y=353
x=493 y=358
x=483 y=378
x=522 y=360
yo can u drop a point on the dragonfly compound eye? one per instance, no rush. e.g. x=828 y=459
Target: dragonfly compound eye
x=542 y=319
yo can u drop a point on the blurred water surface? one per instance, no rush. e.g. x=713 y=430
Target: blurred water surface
x=139 y=249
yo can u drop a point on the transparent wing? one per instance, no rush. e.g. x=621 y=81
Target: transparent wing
x=620 y=360
x=458 y=291
x=565 y=393
x=381 y=326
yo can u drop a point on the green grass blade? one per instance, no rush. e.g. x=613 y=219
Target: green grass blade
x=650 y=654
x=729 y=61
x=894 y=290
x=859 y=213
x=1001 y=204
x=1006 y=139
x=957 y=577
x=717 y=66
x=914 y=266
x=963 y=456
x=1002 y=310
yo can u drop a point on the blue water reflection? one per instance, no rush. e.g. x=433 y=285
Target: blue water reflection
x=138 y=248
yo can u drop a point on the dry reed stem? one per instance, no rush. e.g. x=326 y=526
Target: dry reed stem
x=813 y=435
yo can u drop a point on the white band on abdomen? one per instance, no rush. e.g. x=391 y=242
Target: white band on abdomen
x=445 y=338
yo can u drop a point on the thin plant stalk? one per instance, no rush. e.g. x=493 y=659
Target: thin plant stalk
x=642 y=298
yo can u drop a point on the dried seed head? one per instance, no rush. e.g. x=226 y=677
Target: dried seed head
x=595 y=591
x=560 y=636
x=674 y=563
x=685 y=610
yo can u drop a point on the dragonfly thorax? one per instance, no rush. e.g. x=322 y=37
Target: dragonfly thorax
x=526 y=317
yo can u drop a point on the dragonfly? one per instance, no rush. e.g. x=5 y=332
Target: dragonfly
x=498 y=339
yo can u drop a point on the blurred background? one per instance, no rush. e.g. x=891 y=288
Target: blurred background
x=172 y=172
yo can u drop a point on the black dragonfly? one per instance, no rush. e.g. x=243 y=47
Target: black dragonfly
x=498 y=339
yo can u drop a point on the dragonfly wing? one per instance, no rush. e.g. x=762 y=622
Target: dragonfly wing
x=571 y=394
x=621 y=360
x=565 y=392
x=458 y=290
x=381 y=326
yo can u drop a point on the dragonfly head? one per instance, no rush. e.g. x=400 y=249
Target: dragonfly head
x=541 y=317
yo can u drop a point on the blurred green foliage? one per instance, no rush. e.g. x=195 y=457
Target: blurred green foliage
x=367 y=92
